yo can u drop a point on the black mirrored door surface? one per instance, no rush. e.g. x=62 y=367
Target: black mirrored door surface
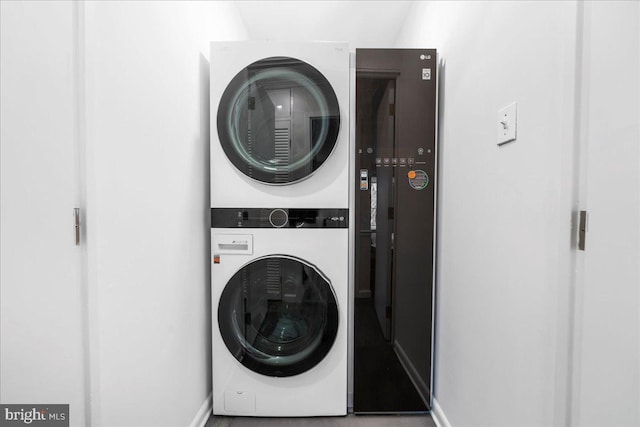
x=394 y=204
x=278 y=120
x=278 y=316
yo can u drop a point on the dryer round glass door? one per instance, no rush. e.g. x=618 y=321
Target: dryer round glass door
x=278 y=316
x=278 y=120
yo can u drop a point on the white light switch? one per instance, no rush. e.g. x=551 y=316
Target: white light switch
x=507 y=123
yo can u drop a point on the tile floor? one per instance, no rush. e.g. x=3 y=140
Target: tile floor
x=348 y=421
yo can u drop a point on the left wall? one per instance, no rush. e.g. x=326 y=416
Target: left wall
x=147 y=139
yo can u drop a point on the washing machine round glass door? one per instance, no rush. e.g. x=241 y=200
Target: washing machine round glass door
x=278 y=316
x=278 y=120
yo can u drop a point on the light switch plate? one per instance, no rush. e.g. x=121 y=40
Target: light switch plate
x=507 y=123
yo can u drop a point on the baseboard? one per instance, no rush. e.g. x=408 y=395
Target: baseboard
x=204 y=413
x=438 y=415
x=411 y=370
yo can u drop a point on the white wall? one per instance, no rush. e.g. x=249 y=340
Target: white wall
x=41 y=294
x=361 y=23
x=147 y=133
x=505 y=212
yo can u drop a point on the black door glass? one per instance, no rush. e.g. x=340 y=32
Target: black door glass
x=278 y=120
x=278 y=316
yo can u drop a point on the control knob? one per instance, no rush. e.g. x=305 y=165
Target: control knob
x=278 y=218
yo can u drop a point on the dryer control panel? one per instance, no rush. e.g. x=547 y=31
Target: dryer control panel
x=279 y=218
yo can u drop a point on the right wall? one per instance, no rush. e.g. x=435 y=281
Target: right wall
x=504 y=231
x=531 y=331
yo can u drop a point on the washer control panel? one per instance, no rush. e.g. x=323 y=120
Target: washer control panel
x=279 y=218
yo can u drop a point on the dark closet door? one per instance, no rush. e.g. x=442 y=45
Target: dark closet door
x=396 y=101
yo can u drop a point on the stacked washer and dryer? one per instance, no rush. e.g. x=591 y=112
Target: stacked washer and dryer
x=279 y=228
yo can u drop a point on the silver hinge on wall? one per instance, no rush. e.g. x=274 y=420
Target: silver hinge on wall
x=582 y=230
x=76 y=225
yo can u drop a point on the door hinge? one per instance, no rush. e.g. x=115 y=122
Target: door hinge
x=392 y=109
x=582 y=230
x=76 y=225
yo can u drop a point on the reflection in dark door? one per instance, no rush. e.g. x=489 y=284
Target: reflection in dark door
x=379 y=130
x=395 y=143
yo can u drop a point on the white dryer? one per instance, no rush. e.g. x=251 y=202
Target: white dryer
x=279 y=311
x=279 y=124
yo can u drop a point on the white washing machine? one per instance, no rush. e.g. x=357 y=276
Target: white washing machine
x=279 y=124
x=279 y=309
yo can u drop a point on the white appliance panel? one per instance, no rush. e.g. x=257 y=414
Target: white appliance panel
x=322 y=390
x=328 y=186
